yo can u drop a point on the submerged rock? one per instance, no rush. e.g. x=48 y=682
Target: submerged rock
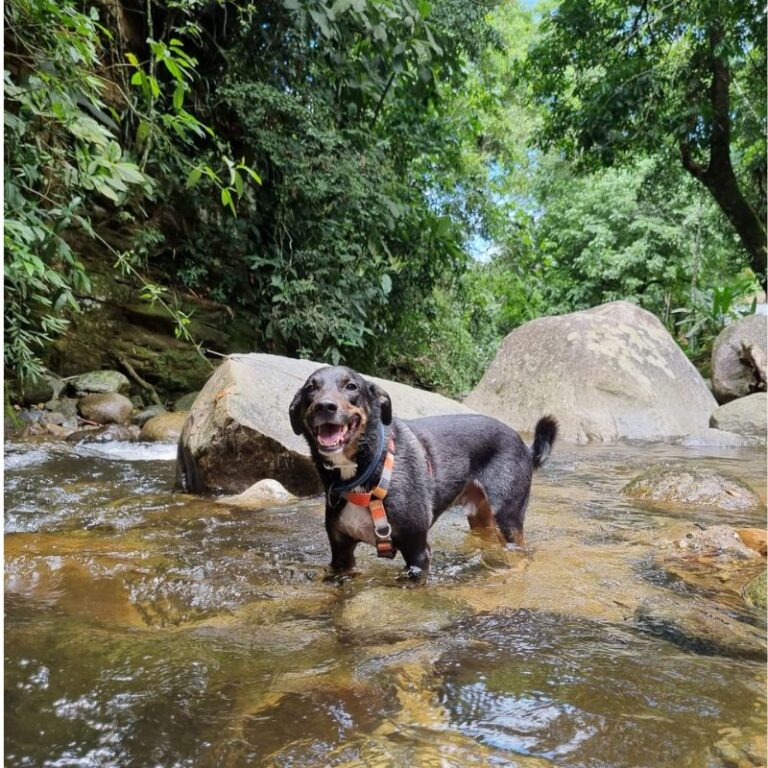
x=702 y=628
x=608 y=373
x=97 y=382
x=717 y=539
x=732 y=375
x=679 y=484
x=106 y=408
x=746 y=416
x=239 y=432
x=165 y=428
x=755 y=592
x=387 y=614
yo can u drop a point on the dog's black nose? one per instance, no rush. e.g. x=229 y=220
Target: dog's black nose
x=329 y=406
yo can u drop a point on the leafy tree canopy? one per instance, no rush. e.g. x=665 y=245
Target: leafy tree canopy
x=688 y=79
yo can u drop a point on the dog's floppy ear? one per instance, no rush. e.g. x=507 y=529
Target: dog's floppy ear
x=385 y=403
x=295 y=412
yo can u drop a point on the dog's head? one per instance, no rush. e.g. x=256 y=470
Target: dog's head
x=335 y=407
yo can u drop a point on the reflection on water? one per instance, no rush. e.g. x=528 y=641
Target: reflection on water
x=145 y=628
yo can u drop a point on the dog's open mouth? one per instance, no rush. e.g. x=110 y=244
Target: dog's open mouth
x=333 y=437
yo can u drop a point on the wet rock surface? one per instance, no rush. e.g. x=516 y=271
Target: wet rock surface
x=693 y=487
x=608 y=373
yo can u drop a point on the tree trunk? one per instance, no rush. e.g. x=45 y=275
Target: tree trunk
x=718 y=176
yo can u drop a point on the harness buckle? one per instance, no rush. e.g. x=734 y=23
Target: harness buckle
x=383 y=533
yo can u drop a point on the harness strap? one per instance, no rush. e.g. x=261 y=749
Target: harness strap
x=373 y=500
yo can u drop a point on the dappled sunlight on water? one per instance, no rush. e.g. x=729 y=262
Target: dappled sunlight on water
x=150 y=628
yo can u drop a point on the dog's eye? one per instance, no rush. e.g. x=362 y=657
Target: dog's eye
x=351 y=386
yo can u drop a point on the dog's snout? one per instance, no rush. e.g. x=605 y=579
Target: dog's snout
x=327 y=406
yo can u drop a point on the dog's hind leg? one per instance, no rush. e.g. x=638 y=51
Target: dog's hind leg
x=510 y=518
x=480 y=516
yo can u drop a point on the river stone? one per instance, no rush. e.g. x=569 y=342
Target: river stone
x=64 y=405
x=239 y=432
x=165 y=428
x=260 y=494
x=679 y=484
x=701 y=627
x=731 y=376
x=387 y=614
x=106 y=408
x=745 y=416
x=755 y=538
x=98 y=382
x=105 y=434
x=185 y=402
x=718 y=438
x=607 y=374
x=717 y=539
x=144 y=415
x=755 y=592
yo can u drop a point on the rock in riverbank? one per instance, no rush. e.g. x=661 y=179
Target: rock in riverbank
x=733 y=373
x=608 y=373
x=106 y=408
x=746 y=416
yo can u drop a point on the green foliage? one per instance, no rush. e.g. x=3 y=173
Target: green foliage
x=359 y=178
x=347 y=128
x=618 y=80
x=62 y=156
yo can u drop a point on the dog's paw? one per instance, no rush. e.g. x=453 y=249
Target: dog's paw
x=413 y=574
x=339 y=577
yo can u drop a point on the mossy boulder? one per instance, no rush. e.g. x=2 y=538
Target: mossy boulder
x=99 y=382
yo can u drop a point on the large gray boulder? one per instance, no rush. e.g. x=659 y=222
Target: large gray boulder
x=238 y=431
x=734 y=373
x=607 y=374
x=746 y=416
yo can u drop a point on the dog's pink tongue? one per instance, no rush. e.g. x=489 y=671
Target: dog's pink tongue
x=329 y=434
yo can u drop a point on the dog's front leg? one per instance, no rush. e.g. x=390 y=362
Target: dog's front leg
x=417 y=554
x=342 y=545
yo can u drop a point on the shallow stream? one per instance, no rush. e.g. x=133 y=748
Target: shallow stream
x=146 y=628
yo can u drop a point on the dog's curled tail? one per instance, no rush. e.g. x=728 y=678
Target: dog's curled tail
x=543 y=439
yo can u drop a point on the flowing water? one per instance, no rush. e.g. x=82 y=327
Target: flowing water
x=146 y=628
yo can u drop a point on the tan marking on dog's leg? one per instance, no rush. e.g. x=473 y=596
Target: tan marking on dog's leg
x=480 y=515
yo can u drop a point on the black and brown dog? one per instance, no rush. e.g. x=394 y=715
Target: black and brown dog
x=439 y=461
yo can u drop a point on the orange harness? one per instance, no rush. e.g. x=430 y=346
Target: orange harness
x=373 y=500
